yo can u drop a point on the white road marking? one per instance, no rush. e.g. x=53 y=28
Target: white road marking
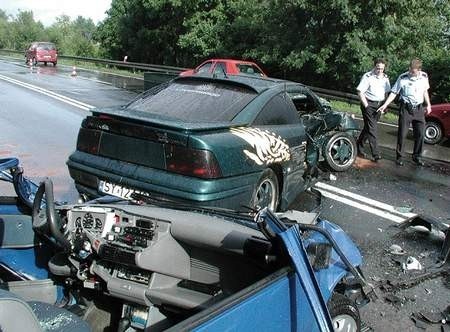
x=49 y=93
x=363 y=203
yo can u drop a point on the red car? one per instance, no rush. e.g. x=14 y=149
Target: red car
x=437 y=123
x=41 y=52
x=228 y=66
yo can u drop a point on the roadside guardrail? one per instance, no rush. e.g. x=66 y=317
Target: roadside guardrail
x=155 y=74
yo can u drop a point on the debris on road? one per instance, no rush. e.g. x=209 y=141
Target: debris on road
x=395 y=249
x=424 y=254
x=395 y=286
x=404 y=209
x=394 y=300
x=411 y=264
x=431 y=224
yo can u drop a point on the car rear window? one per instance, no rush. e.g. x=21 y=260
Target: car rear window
x=195 y=101
x=46 y=46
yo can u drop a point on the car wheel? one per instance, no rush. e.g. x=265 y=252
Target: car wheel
x=266 y=193
x=344 y=314
x=45 y=63
x=433 y=132
x=340 y=152
x=54 y=64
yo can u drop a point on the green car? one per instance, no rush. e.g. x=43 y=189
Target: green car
x=238 y=143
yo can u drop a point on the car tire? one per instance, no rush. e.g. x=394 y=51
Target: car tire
x=266 y=192
x=339 y=152
x=344 y=314
x=54 y=64
x=433 y=132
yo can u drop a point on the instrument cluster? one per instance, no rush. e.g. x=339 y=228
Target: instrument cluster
x=90 y=222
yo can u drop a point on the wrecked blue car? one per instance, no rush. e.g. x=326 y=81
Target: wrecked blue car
x=145 y=265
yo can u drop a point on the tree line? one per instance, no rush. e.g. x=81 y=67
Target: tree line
x=328 y=43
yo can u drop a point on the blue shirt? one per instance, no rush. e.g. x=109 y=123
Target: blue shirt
x=374 y=87
x=411 y=88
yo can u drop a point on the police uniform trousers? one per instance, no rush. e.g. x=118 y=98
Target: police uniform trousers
x=408 y=115
x=370 y=129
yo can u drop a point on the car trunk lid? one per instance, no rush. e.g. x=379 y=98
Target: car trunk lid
x=147 y=143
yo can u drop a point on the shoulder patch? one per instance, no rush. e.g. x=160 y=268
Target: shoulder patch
x=368 y=74
x=385 y=76
x=423 y=74
x=404 y=75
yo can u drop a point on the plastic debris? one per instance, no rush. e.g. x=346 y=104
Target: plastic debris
x=396 y=301
x=428 y=224
x=333 y=177
x=420 y=324
x=429 y=316
x=403 y=209
x=375 y=278
x=411 y=264
x=395 y=249
x=380 y=230
x=424 y=254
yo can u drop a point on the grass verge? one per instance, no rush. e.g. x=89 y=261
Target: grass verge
x=389 y=117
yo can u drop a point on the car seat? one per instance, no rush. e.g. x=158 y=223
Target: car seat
x=17 y=314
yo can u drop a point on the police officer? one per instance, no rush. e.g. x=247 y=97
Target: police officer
x=412 y=87
x=372 y=91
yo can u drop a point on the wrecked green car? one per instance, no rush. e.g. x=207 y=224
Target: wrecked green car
x=234 y=142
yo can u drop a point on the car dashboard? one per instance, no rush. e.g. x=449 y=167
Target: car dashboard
x=168 y=258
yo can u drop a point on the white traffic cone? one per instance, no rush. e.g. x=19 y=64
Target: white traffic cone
x=74 y=71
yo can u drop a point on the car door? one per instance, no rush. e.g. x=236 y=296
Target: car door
x=279 y=120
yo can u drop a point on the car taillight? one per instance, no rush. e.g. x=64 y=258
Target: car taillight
x=192 y=162
x=88 y=141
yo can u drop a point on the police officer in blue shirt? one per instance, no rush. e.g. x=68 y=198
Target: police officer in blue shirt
x=412 y=87
x=372 y=91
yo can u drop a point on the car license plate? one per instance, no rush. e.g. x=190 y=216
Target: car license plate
x=115 y=190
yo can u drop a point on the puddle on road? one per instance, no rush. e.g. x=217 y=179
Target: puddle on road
x=127 y=83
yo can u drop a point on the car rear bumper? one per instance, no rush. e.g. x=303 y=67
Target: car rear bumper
x=46 y=58
x=87 y=170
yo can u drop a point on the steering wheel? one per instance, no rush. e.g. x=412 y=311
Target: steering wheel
x=44 y=214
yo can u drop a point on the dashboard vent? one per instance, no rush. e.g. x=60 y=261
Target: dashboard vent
x=198 y=264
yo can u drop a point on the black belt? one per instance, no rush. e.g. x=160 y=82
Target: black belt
x=375 y=102
x=411 y=108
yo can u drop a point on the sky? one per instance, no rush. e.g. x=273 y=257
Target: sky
x=47 y=10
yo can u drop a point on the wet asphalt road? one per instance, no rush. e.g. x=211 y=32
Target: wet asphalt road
x=41 y=130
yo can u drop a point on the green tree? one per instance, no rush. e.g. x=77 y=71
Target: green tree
x=24 y=30
x=74 y=37
x=4 y=30
x=328 y=43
